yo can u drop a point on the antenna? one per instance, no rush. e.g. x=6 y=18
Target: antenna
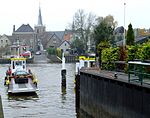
x=18 y=47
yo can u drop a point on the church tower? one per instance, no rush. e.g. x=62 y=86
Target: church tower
x=39 y=28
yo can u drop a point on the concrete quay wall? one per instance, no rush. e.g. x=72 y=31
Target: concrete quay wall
x=1 y=109
x=104 y=97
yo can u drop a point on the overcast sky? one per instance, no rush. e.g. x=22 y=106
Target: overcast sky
x=57 y=14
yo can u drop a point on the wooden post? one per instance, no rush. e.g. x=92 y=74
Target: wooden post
x=63 y=72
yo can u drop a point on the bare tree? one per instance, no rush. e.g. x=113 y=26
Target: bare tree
x=82 y=26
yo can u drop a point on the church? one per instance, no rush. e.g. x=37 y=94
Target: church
x=37 y=38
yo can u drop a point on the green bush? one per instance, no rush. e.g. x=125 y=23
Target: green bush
x=139 y=51
x=51 y=51
x=109 y=55
x=132 y=52
x=59 y=53
x=145 y=51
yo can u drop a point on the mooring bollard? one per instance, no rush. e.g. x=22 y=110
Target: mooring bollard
x=63 y=72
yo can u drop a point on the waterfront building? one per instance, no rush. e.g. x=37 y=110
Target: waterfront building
x=34 y=39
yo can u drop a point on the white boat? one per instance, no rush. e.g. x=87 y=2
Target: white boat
x=18 y=78
x=85 y=61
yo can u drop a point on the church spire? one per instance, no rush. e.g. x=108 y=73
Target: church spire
x=40 y=28
x=40 y=17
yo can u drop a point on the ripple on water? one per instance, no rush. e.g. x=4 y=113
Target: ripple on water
x=50 y=102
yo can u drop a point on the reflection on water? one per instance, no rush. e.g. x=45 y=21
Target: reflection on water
x=24 y=96
x=63 y=90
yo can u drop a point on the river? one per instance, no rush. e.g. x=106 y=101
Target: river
x=51 y=101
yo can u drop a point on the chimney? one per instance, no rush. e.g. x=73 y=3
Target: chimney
x=13 y=28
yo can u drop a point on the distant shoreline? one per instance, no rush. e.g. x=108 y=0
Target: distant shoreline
x=7 y=60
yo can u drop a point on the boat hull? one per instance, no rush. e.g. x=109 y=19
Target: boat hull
x=27 y=87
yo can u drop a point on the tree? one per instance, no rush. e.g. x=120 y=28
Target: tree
x=104 y=29
x=102 y=45
x=82 y=26
x=130 y=35
x=103 y=33
x=78 y=46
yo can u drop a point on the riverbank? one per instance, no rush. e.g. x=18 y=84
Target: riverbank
x=7 y=60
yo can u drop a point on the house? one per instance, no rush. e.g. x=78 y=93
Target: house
x=4 y=45
x=4 y=41
x=25 y=35
x=68 y=35
x=119 y=33
x=65 y=46
x=141 y=35
x=33 y=39
x=54 y=41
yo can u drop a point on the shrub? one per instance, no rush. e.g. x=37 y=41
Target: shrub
x=59 y=52
x=51 y=51
x=109 y=55
x=132 y=52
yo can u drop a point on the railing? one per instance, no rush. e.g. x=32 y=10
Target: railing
x=139 y=72
x=71 y=59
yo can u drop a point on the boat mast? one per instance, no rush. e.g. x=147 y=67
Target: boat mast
x=18 y=47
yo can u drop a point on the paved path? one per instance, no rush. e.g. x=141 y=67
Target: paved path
x=41 y=58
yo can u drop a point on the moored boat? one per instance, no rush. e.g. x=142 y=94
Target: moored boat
x=18 y=79
x=85 y=61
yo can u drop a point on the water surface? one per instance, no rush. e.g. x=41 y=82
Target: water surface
x=51 y=101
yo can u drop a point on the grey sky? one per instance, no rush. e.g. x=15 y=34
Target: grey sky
x=57 y=14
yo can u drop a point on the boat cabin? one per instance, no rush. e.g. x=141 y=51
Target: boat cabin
x=21 y=77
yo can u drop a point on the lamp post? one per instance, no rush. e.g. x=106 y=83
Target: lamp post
x=124 y=40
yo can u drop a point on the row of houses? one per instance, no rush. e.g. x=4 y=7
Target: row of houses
x=141 y=35
x=29 y=39
x=34 y=39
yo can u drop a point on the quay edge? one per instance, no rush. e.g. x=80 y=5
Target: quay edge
x=103 y=96
x=1 y=109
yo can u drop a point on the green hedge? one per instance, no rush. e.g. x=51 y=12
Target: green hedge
x=139 y=51
x=109 y=55
x=51 y=51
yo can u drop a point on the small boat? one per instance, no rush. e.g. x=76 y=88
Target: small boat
x=18 y=79
x=85 y=61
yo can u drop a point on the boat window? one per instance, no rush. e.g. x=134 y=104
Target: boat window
x=13 y=65
x=23 y=66
x=21 y=73
x=85 y=64
x=18 y=63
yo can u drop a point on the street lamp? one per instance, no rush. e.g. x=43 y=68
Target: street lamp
x=124 y=40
